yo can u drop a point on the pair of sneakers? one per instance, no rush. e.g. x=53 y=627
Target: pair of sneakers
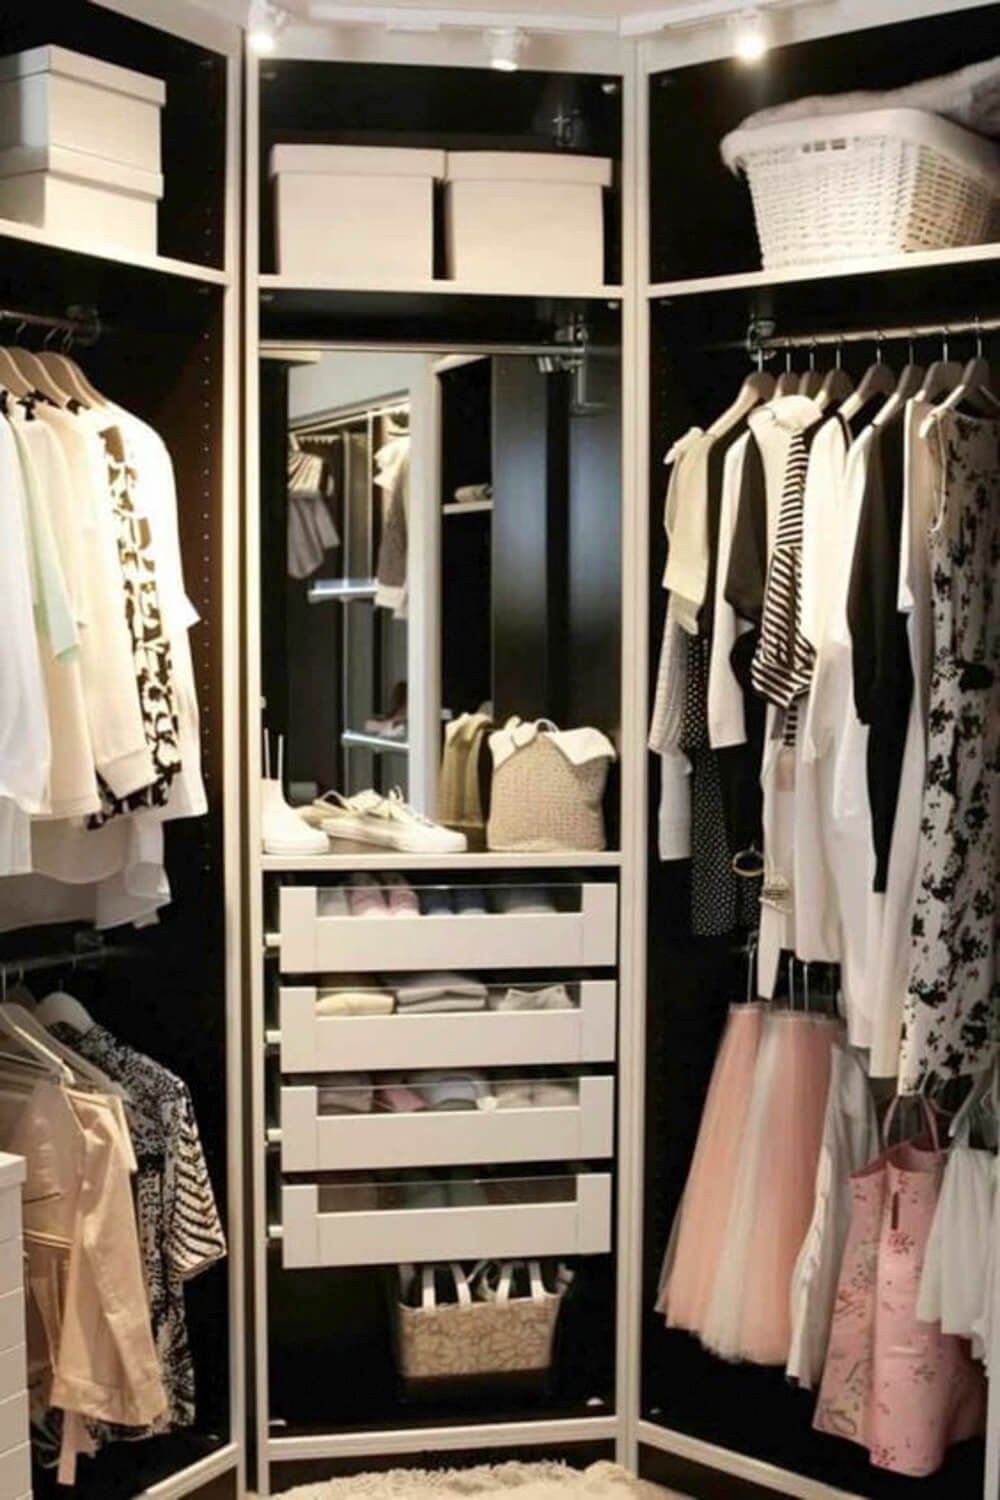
x=388 y=822
x=381 y=896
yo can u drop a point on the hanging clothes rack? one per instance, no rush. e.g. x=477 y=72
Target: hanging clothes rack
x=762 y=338
x=80 y=325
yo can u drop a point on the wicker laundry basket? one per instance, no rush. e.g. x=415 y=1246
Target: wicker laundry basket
x=879 y=182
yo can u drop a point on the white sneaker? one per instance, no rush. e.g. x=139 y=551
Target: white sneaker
x=282 y=830
x=389 y=822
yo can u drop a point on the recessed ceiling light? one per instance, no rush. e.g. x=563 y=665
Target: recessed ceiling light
x=751 y=34
x=264 y=21
x=506 y=45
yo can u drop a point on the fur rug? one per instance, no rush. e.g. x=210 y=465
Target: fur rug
x=512 y=1481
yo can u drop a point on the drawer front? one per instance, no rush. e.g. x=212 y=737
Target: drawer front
x=387 y=1236
x=312 y=942
x=15 y=1471
x=13 y=1372
x=11 y=1266
x=10 y=1214
x=315 y=1142
x=14 y=1429
x=11 y=1319
x=330 y=1044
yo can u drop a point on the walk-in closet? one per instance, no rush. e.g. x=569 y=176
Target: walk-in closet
x=499 y=778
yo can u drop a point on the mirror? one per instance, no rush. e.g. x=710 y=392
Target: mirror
x=440 y=552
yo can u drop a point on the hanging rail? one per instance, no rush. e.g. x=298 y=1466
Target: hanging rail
x=79 y=325
x=88 y=950
x=761 y=335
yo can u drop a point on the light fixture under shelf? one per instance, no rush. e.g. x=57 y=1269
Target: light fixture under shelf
x=379 y=744
x=342 y=590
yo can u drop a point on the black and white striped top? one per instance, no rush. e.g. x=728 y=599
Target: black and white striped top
x=783 y=663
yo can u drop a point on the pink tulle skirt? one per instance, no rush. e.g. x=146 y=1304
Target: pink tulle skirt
x=698 y=1235
x=748 y=1315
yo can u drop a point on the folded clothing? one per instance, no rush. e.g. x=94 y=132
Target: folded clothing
x=550 y=997
x=435 y=901
x=532 y=1093
x=426 y=990
x=332 y=902
x=353 y=1094
x=469 y=901
x=469 y=494
x=459 y=1089
x=524 y=900
x=355 y=1003
x=397 y=1098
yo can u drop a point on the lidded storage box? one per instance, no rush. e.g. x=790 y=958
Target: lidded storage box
x=355 y=211
x=526 y=220
x=80 y=147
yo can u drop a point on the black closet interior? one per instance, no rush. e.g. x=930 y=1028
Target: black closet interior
x=701 y=226
x=159 y=352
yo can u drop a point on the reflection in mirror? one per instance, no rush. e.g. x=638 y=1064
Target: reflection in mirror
x=440 y=553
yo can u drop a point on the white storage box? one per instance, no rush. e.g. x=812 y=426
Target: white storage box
x=357 y=212
x=536 y=1216
x=313 y=1141
x=581 y=932
x=527 y=221
x=70 y=193
x=878 y=182
x=53 y=97
x=311 y=1043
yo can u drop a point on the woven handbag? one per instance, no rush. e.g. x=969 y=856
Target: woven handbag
x=548 y=788
x=505 y=1335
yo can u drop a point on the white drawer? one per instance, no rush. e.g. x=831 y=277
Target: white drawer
x=312 y=1141
x=573 y=1218
x=14 y=1423
x=13 y=1372
x=15 y=1471
x=11 y=1265
x=10 y=1214
x=312 y=942
x=329 y=1044
x=11 y=1319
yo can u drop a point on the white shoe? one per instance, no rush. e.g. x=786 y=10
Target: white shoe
x=282 y=830
x=389 y=822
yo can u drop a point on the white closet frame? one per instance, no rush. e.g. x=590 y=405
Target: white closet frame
x=634 y=61
x=195 y=24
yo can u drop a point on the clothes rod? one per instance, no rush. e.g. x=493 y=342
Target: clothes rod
x=82 y=956
x=484 y=351
x=80 y=325
x=761 y=335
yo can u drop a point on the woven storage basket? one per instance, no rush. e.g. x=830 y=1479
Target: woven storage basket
x=509 y=1336
x=836 y=187
x=542 y=801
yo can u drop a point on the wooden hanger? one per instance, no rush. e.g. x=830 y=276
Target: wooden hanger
x=911 y=377
x=69 y=374
x=837 y=384
x=787 y=383
x=942 y=375
x=975 y=387
x=757 y=387
x=11 y=377
x=811 y=381
x=878 y=380
x=36 y=375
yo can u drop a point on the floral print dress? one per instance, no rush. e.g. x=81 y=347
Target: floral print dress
x=951 y=1011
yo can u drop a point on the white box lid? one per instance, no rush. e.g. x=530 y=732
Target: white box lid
x=529 y=166
x=59 y=161
x=358 y=161
x=87 y=69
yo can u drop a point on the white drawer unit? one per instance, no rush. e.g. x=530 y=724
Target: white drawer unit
x=13 y=1426
x=15 y=1468
x=584 y=1033
x=11 y=1319
x=555 y=1216
x=10 y=1210
x=11 y=1266
x=314 y=1141
x=581 y=932
x=13 y=1372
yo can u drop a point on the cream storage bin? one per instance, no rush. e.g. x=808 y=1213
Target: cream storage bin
x=380 y=1223
x=526 y=221
x=315 y=1140
x=357 y=212
x=53 y=97
x=581 y=932
x=584 y=1032
x=87 y=197
x=878 y=182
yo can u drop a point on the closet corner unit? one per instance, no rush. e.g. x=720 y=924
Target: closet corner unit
x=148 y=307
x=506 y=388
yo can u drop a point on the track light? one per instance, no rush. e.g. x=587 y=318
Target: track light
x=264 y=21
x=751 y=35
x=506 y=45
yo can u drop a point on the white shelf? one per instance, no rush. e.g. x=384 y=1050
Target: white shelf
x=470 y=508
x=833 y=270
x=351 y=857
x=31 y=234
x=358 y=739
x=270 y=283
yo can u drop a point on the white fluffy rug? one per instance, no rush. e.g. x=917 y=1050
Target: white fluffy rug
x=512 y=1481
